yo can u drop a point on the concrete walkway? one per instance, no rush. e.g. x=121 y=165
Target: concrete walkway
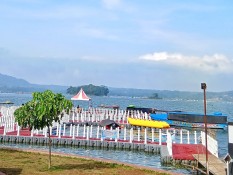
x=216 y=166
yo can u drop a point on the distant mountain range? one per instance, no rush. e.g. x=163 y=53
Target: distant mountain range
x=10 y=81
x=9 y=84
x=167 y=94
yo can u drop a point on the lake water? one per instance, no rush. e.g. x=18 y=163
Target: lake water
x=141 y=158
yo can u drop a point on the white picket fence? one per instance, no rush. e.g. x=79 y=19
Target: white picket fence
x=96 y=115
x=212 y=144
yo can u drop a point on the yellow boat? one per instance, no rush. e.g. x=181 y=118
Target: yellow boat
x=148 y=123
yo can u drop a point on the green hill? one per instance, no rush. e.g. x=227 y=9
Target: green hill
x=9 y=84
x=9 y=81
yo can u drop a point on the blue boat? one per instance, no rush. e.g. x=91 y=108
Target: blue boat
x=191 y=120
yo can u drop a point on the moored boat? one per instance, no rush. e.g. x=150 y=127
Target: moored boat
x=192 y=120
x=109 y=106
x=141 y=109
x=148 y=123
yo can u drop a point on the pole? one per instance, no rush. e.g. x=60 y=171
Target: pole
x=203 y=86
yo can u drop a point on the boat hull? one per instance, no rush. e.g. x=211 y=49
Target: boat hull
x=148 y=123
x=179 y=123
x=195 y=125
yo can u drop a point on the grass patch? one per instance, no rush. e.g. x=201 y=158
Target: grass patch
x=13 y=162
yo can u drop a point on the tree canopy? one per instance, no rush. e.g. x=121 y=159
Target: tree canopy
x=155 y=96
x=45 y=108
x=42 y=110
x=89 y=90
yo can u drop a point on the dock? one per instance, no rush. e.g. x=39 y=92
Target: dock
x=215 y=165
x=175 y=146
x=196 y=153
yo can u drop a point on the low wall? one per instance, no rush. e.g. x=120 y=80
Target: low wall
x=152 y=148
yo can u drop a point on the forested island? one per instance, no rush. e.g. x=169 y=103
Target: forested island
x=89 y=90
x=154 y=96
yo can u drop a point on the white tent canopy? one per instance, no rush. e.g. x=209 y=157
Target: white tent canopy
x=81 y=95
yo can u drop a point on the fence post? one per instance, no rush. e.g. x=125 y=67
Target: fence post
x=64 y=129
x=98 y=130
x=160 y=137
x=188 y=137
x=101 y=134
x=153 y=135
x=32 y=132
x=59 y=134
x=18 y=130
x=169 y=143
x=87 y=138
x=91 y=132
x=57 y=129
x=118 y=132
x=138 y=133
x=130 y=135
x=84 y=131
x=181 y=136
x=71 y=127
x=73 y=132
x=195 y=137
x=145 y=139
x=46 y=130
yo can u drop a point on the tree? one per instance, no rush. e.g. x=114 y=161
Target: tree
x=41 y=111
x=90 y=90
x=155 y=96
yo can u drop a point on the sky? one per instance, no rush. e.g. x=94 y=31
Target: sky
x=151 y=44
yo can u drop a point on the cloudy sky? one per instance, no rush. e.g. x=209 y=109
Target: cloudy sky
x=152 y=44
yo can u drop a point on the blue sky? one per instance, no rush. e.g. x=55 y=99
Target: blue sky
x=152 y=44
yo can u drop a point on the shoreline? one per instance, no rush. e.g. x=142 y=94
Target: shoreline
x=92 y=158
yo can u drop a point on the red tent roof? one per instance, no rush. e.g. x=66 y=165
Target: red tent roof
x=81 y=96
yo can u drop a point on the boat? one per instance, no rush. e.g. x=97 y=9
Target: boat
x=140 y=109
x=191 y=120
x=6 y=103
x=109 y=106
x=148 y=123
x=184 y=119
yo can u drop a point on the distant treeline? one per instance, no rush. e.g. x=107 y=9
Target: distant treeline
x=90 y=90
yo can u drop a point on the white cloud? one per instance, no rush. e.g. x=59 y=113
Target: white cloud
x=216 y=63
